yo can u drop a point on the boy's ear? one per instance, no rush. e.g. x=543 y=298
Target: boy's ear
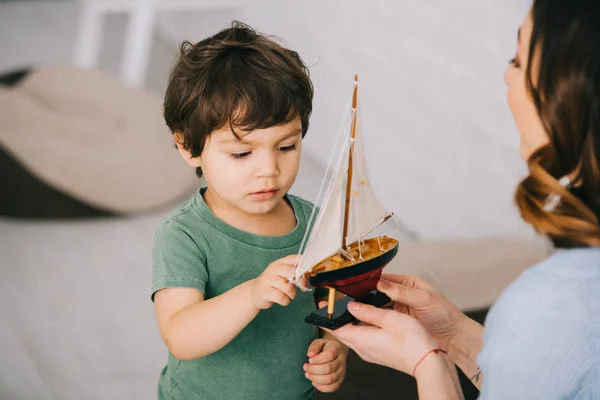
x=187 y=156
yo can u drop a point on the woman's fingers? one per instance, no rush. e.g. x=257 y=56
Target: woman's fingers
x=369 y=314
x=404 y=294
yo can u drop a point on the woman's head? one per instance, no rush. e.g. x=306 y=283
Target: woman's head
x=554 y=95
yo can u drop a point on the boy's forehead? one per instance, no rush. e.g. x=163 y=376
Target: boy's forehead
x=226 y=135
x=278 y=132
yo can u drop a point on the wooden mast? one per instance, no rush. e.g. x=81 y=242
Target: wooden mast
x=350 y=168
x=331 y=300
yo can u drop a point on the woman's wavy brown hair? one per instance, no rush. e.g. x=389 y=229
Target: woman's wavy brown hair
x=565 y=42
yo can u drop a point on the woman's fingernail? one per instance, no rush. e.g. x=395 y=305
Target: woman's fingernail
x=384 y=285
x=353 y=305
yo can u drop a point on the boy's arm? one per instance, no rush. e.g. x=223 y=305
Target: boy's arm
x=192 y=327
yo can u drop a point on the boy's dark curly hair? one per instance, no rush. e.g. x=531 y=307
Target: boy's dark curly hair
x=237 y=78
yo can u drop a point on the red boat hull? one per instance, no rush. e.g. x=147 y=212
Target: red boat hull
x=357 y=280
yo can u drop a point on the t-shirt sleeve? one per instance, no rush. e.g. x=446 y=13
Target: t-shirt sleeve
x=177 y=261
x=536 y=343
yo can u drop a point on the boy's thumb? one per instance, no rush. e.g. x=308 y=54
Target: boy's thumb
x=292 y=259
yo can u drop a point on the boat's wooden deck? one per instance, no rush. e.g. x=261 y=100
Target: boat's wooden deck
x=368 y=249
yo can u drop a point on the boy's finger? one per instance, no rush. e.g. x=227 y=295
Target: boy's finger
x=292 y=259
x=327 y=379
x=284 y=270
x=315 y=347
x=323 y=369
x=322 y=304
x=326 y=355
x=326 y=388
x=276 y=296
x=285 y=287
x=303 y=282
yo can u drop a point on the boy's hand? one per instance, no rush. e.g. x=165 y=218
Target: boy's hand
x=272 y=286
x=326 y=366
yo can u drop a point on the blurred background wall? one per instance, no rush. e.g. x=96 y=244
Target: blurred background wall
x=442 y=146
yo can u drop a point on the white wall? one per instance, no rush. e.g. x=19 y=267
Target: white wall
x=441 y=143
x=442 y=146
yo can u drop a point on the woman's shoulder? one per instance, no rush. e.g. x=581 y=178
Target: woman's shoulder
x=545 y=327
x=554 y=304
x=567 y=281
x=571 y=264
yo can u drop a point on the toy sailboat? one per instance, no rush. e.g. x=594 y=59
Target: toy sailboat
x=337 y=253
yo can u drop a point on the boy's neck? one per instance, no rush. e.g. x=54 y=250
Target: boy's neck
x=279 y=221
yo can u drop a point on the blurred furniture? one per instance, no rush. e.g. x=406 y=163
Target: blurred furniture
x=138 y=42
x=92 y=137
x=21 y=201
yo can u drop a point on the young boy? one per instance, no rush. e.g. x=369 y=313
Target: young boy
x=238 y=105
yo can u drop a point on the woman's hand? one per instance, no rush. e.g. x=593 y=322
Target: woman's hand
x=453 y=331
x=399 y=341
x=417 y=298
x=392 y=339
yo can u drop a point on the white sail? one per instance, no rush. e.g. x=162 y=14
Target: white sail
x=365 y=214
x=366 y=211
x=326 y=237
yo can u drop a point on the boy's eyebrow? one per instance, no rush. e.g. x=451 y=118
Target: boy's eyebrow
x=293 y=132
x=233 y=140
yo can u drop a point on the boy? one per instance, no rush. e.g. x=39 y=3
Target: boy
x=238 y=105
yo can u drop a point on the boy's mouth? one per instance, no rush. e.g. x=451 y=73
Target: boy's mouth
x=264 y=194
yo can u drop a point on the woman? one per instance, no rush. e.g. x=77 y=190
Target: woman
x=542 y=337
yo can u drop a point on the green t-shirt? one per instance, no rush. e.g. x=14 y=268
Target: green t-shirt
x=195 y=249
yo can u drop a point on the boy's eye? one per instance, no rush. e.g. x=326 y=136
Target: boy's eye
x=239 y=156
x=288 y=148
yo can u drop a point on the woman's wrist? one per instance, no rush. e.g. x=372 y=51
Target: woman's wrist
x=432 y=366
x=465 y=346
x=466 y=339
x=426 y=355
x=436 y=378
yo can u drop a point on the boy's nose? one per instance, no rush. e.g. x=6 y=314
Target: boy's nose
x=268 y=168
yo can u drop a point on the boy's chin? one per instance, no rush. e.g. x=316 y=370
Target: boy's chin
x=263 y=207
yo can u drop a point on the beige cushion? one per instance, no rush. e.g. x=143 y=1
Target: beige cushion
x=470 y=273
x=94 y=138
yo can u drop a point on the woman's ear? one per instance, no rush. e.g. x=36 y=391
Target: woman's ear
x=187 y=156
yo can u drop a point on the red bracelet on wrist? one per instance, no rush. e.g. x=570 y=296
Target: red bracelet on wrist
x=435 y=351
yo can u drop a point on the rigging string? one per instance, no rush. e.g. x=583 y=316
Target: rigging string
x=325 y=187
